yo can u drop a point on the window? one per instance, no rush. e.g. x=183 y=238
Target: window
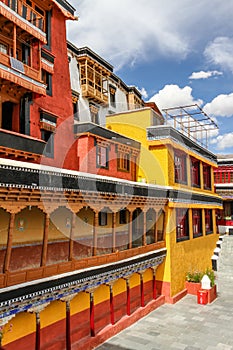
x=182 y=224
x=180 y=167
x=48 y=29
x=208 y=221
x=123 y=161
x=160 y=225
x=207 y=176
x=47 y=79
x=197 y=223
x=112 y=91
x=101 y=156
x=123 y=217
x=3 y=48
x=195 y=172
x=48 y=137
x=103 y=218
x=94 y=111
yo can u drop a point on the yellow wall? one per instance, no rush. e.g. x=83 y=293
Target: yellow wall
x=119 y=286
x=54 y=312
x=80 y=303
x=101 y=294
x=23 y=324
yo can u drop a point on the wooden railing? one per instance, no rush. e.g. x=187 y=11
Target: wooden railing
x=13 y=278
x=28 y=71
x=27 y=12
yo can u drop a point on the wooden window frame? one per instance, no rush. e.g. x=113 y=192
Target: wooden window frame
x=123 y=162
x=207 y=177
x=180 y=167
x=197 y=223
x=209 y=221
x=195 y=172
x=182 y=224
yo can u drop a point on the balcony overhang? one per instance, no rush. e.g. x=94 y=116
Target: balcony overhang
x=23 y=80
x=20 y=146
x=22 y=297
x=15 y=18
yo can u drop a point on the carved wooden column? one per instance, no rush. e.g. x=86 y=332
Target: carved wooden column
x=154 y=283
x=127 y=296
x=14 y=40
x=37 y=310
x=67 y=300
x=71 y=241
x=113 y=232
x=95 y=225
x=130 y=229
x=9 y=243
x=45 y=240
x=92 y=314
x=142 y=289
x=144 y=229
x=111 y=305
x=156 y=226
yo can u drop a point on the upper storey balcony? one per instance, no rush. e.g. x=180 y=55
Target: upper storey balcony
x=94 y=74
x=27 y=15
x=22 y=34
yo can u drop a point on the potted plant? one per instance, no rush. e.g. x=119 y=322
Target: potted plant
x=193 y=283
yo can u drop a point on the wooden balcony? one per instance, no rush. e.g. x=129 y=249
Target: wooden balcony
x=22 y=276
x=21 y=74
x=94 y=94
x=24 y=16
x=20 y=146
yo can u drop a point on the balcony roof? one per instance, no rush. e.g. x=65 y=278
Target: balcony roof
x=162 y=132
x=91 y=128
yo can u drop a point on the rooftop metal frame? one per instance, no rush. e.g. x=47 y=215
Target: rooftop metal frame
x=192 y=121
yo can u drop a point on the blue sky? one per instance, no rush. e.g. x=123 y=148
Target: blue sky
x=175 y=52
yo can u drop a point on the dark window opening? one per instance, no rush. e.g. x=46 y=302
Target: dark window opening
x=123 y=216
x=207 y=176
x=208 y=221
x=197 y=223
x=48 y=137
x=103 y=218
x=195 y=172
x=182 y=224
x=7 y=111
x=180 y=167
x=47 y=79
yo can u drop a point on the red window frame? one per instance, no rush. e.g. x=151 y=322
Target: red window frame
x=197 y=223
x=182 y=224
x=180 y=167
x=195 y=172
x=208 y=221
x=207 y=176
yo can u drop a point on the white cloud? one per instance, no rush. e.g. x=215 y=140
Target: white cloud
x=220 y=52
x=143 y=92
x=128 y=31
x=220 y=106
x=204 y=75
x=174 y=96
x=223 y=141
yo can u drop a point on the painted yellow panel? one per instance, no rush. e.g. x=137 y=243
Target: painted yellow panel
x=28 y=226
x=101 y=294
x=134 y=280
x=23 y=324
x=119 y=286
x=148 y=275
x=79 y=303
x=54 y=312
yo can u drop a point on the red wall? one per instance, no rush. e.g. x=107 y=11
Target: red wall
x=86 y=151
x=60 y=103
